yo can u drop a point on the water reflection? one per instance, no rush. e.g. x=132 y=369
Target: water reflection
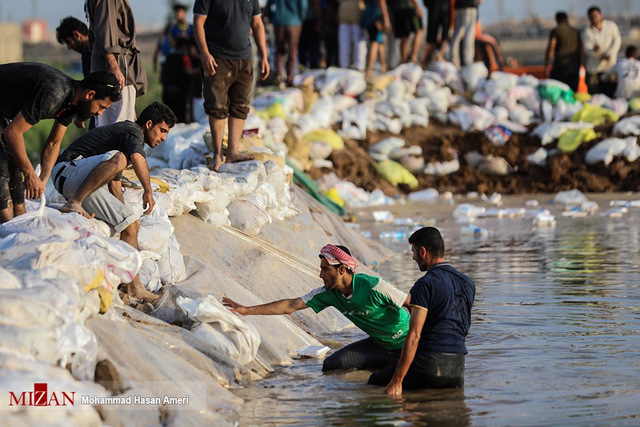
x=554 y=339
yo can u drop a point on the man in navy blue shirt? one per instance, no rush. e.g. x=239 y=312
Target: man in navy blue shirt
x=440 y=305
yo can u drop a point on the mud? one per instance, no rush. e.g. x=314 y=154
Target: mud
x=440 y=143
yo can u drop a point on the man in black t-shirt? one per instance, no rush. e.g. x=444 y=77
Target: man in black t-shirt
x=440 y=306
x=222 y=29
x=30 y=92
x=88 y=174
x=565 y=45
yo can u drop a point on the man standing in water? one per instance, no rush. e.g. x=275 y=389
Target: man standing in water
x=371 y=303
x=440 y=305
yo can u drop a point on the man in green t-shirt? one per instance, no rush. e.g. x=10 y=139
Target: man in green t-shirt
x=371 y=303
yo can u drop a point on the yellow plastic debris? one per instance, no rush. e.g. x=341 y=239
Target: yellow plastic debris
x=395 y=173
x=105 y=295
x=572 y=139
x=334 y=196
x=326 y=135
x=595 y=114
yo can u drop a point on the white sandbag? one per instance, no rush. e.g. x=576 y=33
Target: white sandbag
x=155 y=230
x=549 y=132
x=390 y=125
x=396 y=90
x=442 y=168
x=449 y=74
x=248 y=175
x=171 y=265
x=212 y=207
x=605 y=150
x=232 y=335
x=8 y=280
x=381 y=149
x=343 y=102
x=419 y=106
x=354 y=84
x=414 y=164
x=439 y=100
x=473 y=73
x=471 y=118
x=78 y=347
x=419 y=120
x=412 y=150
x=520 y=114
x=501 y=113
x=247 y=217
x=43 y=223
x=499 y=83
x=149 y=273
x=528 y=80
x=538 y=158
x=355 y=122
x=410 y=73
x=627 y=126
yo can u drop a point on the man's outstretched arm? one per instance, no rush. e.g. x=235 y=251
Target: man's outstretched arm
x=283 y=306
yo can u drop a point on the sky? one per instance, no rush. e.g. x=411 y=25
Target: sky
x=153 y=13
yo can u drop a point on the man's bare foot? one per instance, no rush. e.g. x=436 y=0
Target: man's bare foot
x=135 y=290
x=214 y=163
x=72 y=206
x=237 y=158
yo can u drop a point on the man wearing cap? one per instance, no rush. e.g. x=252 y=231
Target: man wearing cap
x=371 y=303
x=31 y=92
x=440 y=304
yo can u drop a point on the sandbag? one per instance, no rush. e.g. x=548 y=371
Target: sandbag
x=607 y=149
x=595 y=115
x=229 y=333
x=395 y=173
x=572 y=139
x=326 y=135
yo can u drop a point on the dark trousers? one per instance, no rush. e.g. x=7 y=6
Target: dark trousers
x=597 y=84
x=309 y=47
x=567 y=73
x=433 y=370
x=363 y=354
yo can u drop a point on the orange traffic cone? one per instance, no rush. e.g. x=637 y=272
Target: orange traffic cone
x=582 y=81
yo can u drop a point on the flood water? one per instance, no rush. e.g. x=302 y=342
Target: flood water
x=555 y=336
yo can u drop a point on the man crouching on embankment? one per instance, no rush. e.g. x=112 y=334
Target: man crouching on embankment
x=88 y=175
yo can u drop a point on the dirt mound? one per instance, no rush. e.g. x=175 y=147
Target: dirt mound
x=439 y=142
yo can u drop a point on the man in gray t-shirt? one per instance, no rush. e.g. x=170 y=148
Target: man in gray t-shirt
x=222 y=29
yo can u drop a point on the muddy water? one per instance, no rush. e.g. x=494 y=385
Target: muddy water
x=555 y=336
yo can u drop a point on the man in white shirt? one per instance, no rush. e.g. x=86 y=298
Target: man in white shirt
x=601 y=46
x=628 y=73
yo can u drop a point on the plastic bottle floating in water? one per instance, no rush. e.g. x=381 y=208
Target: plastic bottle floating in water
x=473 y=231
